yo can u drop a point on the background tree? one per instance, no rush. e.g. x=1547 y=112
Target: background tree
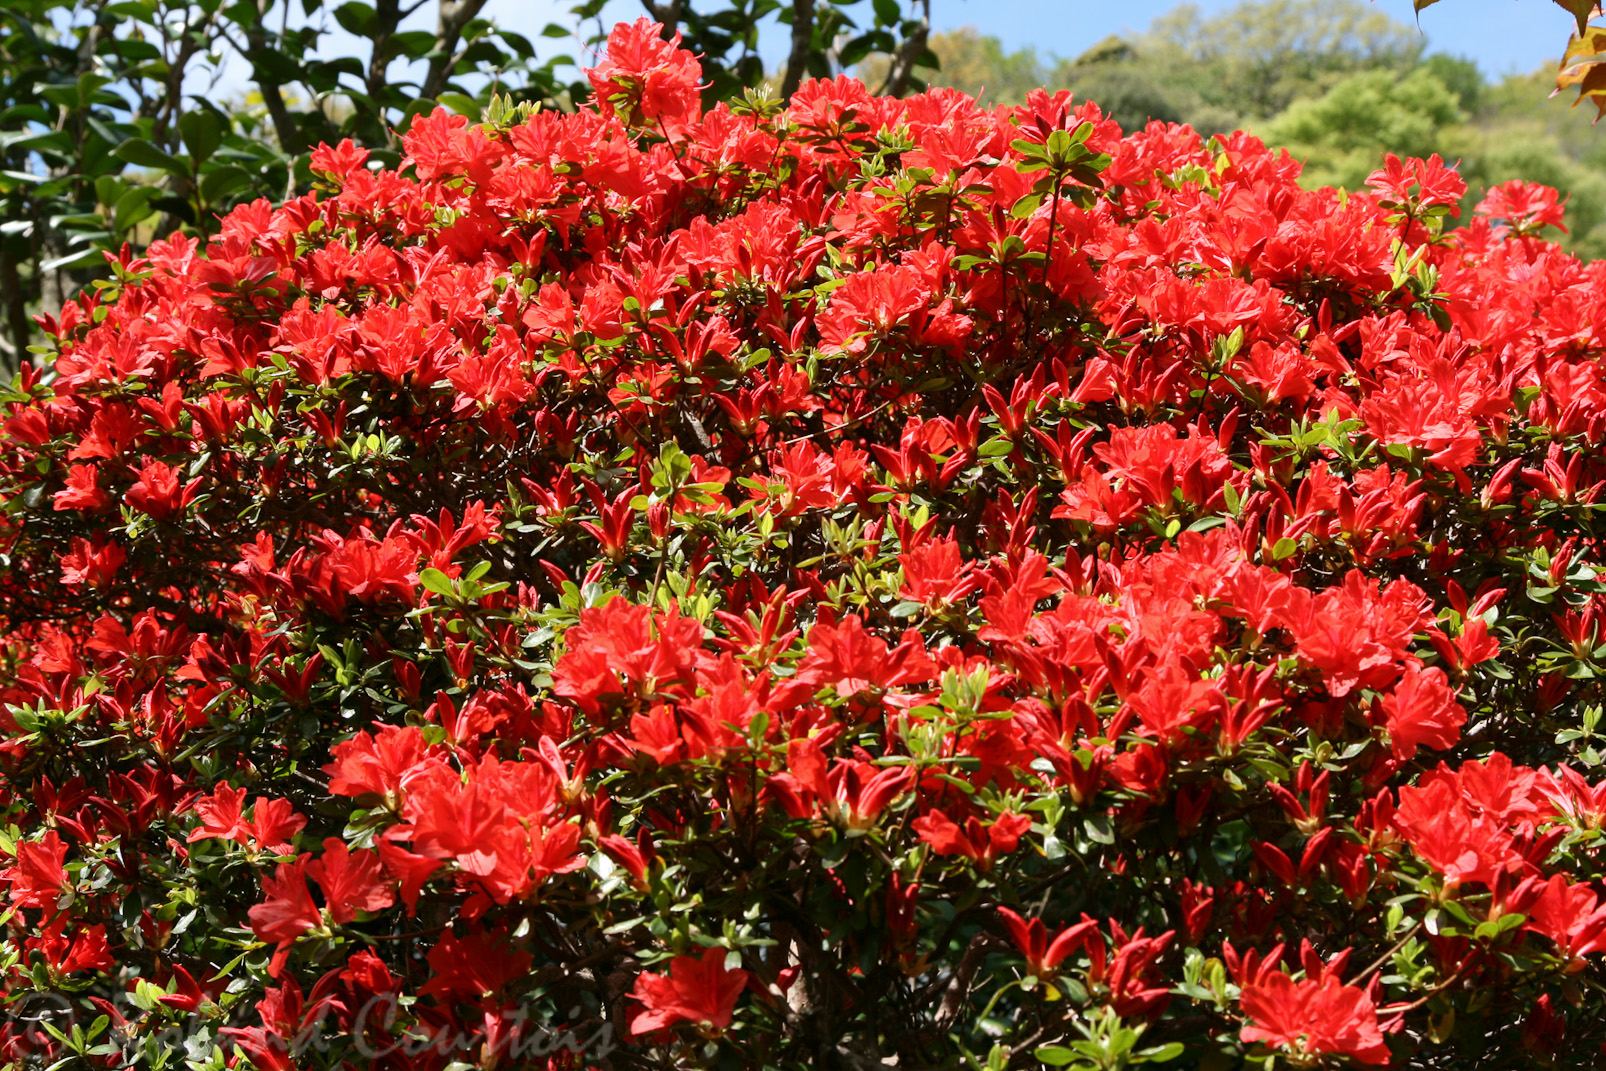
x=1114 y=73
x=1340 y=134
x=972 y=61
x=1260 y=56
x=1243 y=65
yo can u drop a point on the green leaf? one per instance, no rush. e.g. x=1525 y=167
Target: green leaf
x=416 y=106
x=518 y=43
x=13 y=179
x=861 y=46
x=88 y=258
x=1055 y=1055
x=141 y=153
x=414 y=44
x=36 y=139
x=65 y=96
x=108 y=188
x=219 y=182
x=133 y=208
x=437 y=581
x=1099 y=830
x=1026 y=206
x=358 y=19
x=202 y=131
x=462 y=104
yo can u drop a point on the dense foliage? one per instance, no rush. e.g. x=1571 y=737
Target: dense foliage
x=866 y=582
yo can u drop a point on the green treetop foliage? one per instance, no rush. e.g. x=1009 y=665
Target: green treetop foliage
x=1120 y=76
x=1461 y=77
x=1339 y=133
x=1262 y=55
x=1492 y=133
x=1243 y=64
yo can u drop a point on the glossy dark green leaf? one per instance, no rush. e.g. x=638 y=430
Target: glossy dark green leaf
x=133 y=208
x=414 y=44
x=141 y=153
x=858 y=48
x=357 y=18
x=462 y=104
x=521 y=44
x=220 y=182
x=202 y=131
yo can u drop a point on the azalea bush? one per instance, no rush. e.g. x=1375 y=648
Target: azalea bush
x=121 y=121
x=864 y=582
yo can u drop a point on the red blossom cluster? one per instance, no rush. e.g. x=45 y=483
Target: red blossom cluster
x=866 y=581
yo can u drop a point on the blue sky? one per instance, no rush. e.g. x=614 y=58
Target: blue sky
x=1502 y=36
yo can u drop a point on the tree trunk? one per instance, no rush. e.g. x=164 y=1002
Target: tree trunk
x=284 y=124
x=454 y=15
x=15 y=301
x=797 y=62
x=667 y=15
x=903 y=63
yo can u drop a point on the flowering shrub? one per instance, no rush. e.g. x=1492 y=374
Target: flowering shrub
x=871 y=582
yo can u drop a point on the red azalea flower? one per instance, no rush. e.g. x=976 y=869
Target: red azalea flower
x=696 y=990
x=1314 y=1017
